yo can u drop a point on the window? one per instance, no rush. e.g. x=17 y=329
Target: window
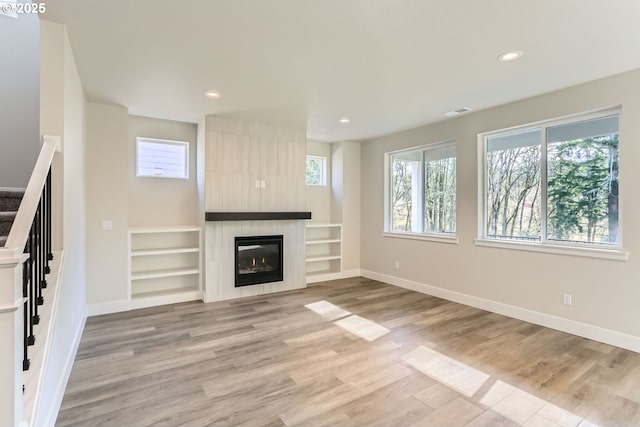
x=161 y=158
x=316 y=170
x=421 y=195
x=554 y=183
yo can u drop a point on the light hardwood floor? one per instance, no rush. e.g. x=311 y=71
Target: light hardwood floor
x=354 y=352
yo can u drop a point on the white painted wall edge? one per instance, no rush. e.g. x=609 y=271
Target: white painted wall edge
x=607 y=336
x=51 y=417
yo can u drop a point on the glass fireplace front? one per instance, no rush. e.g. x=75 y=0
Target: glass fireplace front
x=258 y=260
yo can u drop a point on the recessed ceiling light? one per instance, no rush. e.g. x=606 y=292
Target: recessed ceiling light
x=214 y=94
x=345 y=120
x=510 y=56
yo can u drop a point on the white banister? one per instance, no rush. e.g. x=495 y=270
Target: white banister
x=22 y=278
x=24 y=218
x=11 y=336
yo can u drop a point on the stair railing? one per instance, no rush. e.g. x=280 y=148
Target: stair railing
x=31 y=231
x=24 y=264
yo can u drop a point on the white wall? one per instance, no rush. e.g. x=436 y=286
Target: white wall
x=319 y=196
x=107 y=200
x=115 y=194
x=19 y=98
x=162 y=202
x=63 y=113
x=605 y=293
x=346 y=199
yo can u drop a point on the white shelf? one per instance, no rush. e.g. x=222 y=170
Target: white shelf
x=156 y=274
x=167 y=251
x=150 y=230
x=323 y=258
x=321 y=242
x=164 y=265
x=324 y=250
x=163 y=293
x=322 y=225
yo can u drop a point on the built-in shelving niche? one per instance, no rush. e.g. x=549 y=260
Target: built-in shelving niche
x=164 y=265
x=323 y=251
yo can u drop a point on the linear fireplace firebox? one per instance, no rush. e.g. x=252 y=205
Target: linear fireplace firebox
x=258 y=260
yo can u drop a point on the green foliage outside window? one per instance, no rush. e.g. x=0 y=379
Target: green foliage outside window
x=581 y=184
x=315 y=170
x=583 y=190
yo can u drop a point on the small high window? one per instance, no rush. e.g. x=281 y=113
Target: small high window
x=316 y=170
x=160 y=158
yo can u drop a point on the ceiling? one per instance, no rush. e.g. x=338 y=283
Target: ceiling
x=388 y=65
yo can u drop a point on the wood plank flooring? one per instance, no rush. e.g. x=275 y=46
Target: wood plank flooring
x=353 y=352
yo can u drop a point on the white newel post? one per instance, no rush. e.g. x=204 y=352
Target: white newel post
x=11 y=337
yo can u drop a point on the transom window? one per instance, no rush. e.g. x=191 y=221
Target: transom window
x=421 y=196
x=161 y=158
x=554 y=182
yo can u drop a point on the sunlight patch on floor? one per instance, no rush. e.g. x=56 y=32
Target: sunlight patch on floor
x=517 y=405
x=362 y=327
x=450 y=372
x=327 y=310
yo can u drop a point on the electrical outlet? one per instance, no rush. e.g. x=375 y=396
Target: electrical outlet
x=396 y=264
x=566 y=299
x=106 y=225
x=257 y=183
x=263 y=184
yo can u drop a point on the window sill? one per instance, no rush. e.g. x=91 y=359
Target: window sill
x=452 y=239
x=612 y=254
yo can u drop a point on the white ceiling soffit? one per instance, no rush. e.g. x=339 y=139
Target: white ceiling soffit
x=386 y=65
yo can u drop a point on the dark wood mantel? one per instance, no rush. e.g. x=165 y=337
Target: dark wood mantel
x=255 y=216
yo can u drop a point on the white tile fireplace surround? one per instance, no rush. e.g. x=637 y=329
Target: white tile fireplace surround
x=220 y=257
x=238 y=155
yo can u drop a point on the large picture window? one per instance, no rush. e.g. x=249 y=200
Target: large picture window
x=422 y=190
x=555 y=182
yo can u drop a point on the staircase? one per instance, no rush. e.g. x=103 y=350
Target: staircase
x=10 y=199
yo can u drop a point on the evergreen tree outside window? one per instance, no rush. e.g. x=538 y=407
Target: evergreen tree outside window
x=554 y=183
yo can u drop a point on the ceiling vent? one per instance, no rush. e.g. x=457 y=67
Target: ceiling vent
x=457 y=112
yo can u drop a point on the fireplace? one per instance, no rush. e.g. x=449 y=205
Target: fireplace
x=258 y=260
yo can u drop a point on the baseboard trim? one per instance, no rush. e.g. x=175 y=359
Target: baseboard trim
x=607 y=336
x=107 y=307
x=188 y=295
x=333 y=276
x=151 y=301
x=54 y=409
